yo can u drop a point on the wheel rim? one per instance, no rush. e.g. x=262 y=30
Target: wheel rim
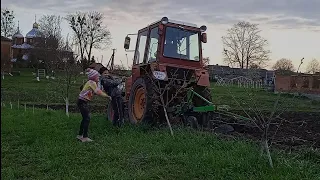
x=139 y=104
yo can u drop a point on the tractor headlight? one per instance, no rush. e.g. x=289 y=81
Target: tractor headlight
x=164 y=20
x=203 y=28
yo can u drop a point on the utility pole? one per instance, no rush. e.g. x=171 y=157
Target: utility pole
x=301 y=61
x=110 y=64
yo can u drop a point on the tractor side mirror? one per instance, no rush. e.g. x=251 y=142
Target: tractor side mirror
x=127 y=43
x=204 y=37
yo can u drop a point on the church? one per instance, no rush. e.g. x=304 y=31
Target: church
x=35 y=51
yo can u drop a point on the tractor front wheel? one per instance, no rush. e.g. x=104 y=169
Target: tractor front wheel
x=140 y=106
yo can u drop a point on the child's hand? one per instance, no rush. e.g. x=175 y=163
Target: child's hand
x=109 y=97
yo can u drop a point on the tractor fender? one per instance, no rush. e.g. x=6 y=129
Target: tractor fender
x=203 y=77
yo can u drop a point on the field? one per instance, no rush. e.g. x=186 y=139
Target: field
x=26 y=89
x=41 y=144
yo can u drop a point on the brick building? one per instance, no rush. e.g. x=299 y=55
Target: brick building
x=6 y=52
x=301 y=83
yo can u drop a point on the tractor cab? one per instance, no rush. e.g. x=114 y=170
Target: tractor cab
x=169 y=42
x=165 y=46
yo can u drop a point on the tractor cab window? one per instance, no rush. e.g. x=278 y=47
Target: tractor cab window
x=181 y=44
x=153 y=45
x=141 y=46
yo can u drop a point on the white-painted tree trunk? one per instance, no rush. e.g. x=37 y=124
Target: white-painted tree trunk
x=67 y=106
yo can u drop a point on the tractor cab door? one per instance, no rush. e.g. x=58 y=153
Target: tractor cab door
x=153 y=44
x=146 y=49
x=139 y=53
x=140 y=47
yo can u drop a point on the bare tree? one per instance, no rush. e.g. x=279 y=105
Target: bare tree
x=90 y=32
x=313 y=66
x=168 y=93
x=7 y=22
x=78 y=24
x=98 y=35
x=50 y=26
x=283 y=65
x=244 y=46
x=49 y=46
x=69 y=75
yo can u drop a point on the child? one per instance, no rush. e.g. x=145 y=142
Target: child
x=110 y=85
x=86 y=94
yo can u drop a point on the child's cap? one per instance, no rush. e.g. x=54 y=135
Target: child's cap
x=92 y=74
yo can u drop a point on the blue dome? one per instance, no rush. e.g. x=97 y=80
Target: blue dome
x=34 y=33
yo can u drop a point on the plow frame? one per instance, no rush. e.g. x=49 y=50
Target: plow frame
x=209 y=108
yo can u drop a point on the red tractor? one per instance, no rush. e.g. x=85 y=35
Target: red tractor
x=168 y=59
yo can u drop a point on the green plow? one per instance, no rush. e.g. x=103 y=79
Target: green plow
x=210 y=107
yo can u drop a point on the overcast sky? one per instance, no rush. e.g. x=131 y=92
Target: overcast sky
x=292 y=27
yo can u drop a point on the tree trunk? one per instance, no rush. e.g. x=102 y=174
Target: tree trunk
x=67 y=106
x=266 y=146
x=166 y=115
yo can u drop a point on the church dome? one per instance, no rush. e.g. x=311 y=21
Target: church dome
x=35 y=25
x=17 y=35
x=35 y=32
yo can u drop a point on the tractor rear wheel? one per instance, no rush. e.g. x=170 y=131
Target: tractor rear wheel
x=140 y=106
x=203 y=118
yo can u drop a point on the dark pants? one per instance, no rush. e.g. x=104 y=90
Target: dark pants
x=84 y=110
x=118 y=111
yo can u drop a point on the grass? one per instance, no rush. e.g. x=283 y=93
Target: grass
x=26 y=89
x=43 y=146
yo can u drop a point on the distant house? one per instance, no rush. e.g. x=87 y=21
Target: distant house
x=6 y=52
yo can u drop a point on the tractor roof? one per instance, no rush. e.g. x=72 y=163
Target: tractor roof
x=177 y=22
